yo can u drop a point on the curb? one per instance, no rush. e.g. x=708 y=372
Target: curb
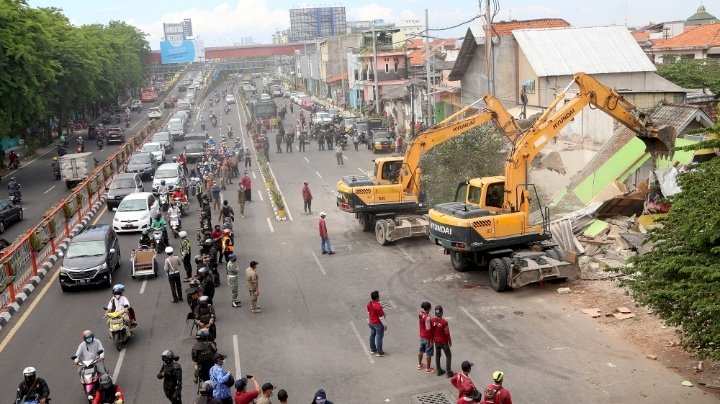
x=46 y=267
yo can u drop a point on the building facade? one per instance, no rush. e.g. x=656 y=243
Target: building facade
x=319 y=22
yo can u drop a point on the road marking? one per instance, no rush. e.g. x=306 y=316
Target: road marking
x=362 y=171
x=253 y=173
x=306 y=159
x=271 y=226
x=116 y=372
x=322 y=269
x=362 y=343
x=407 y=255
x=142 y=287
x=346 y=157
x=482 y=327
x=318 y=174
x=260 y=193
x=100 y=214
x=236 y=350
x=49 y=189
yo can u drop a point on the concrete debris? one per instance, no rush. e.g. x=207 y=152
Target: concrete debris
x=623 y=316
x=596 y=228
x=594 y=312
x=687 y=383
x=700 y=366
x=624 y=310
x=563 y=235
x=712 y=386
x=564 y=291
x=653 y=357
x=553 y=162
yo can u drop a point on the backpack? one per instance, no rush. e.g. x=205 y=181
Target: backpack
x=230 y=380
x=226 y=211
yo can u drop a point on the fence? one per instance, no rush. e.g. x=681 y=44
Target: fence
x=21 y=261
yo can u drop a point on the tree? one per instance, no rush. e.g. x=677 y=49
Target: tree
x=479 y=152
x=693 y=73
x=680 y=278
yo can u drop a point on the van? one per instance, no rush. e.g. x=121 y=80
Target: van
x=172 y=174
x=184 y=105
x=90 y=259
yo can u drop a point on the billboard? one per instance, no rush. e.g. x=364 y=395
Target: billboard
x=184 y=51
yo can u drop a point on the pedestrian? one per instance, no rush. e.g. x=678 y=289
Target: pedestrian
x=461 y=380
x=186 y=253
x=325 y=246
x=502 y=395
x=291 y=107
x=267 y=390
x=488 y=397
x=278 y=142
x=307 y=198
x=248 y=158
x=232 y=273
x=252 y=283
x=289 y=140
x=226 y=212
x=171 y=375
x=247 y=183
x=376 y=322
x=282 y=396
x=426 y=337
x=356 y=140
x=202 y=353
x=244 y=396
x=215 y=192
x=302 y=141
x=220 y=378
x=172 y=268
x=339 y=155
x=443 y=342
x=241 y=199
x=320 y=398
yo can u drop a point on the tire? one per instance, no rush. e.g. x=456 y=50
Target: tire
x=2 y=227
x=459 y=262
x=365 y=220
x=21 y=215
x=498 y=272
x=381 y=232
x=109 y=284
x=155 y=269
x=118 y=341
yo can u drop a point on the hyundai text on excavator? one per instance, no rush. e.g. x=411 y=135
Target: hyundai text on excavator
x=488 y=224
x=393 y=203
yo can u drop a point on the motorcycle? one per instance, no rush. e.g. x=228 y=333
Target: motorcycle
x=213 y=121
x=127 y=121
x=100 y=143
x=202 y=126
x=15 y=164
x=61 y=151
x=229 y=134
x=118 y=120
x=56 y=169
x=15 y=196
x=238 y=145
x=164 y=202
x=159 y=242
x=175 y=224
x=211 y=102
x=118 y=328
x=89 y=376
x=227 y=109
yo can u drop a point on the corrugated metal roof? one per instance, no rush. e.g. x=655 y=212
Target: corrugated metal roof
x=593 y=50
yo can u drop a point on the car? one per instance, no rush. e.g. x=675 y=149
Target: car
x=230 y=99
x=154 y=113
x=90 y=259
x=286 y=93
x=349 y=123
x=165 y=139
x=135 y=212
x=194 y=150
x=143 y=164
x=299 y=97
x=265 y=97
x=182 y=115
x=122 y=185
x=184 y=105
x=9 y=214
x=321 y=118
x=156 y=149
x=382 y=141
x=95 y=130
x=168 y=103
x=136 y=105
x=307 y=103
x=115 y=134
x=173 y=175
x=176 y=129
x=197 y=136
x=182 y=88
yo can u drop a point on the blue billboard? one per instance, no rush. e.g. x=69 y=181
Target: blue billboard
x=185 y=51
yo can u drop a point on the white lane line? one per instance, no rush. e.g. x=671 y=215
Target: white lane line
x=116 y=372
x=236 y=350
x=306 y=159
x=362 y=343
x=346 y=157
x=142 y=287
x=482 y=327
x=318 y=174
x=322 y=269
x=362 y=171
x=409 y=257
x=253 y=173
x=260 y=193
x=272 y=230
x=49 y=189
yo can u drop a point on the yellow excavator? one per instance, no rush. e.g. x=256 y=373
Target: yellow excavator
x=393 y=204
x=488 y=224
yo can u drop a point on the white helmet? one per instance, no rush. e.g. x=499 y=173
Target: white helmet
x=168 y=250
x=183 y=234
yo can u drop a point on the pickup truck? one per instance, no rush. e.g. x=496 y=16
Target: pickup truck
x=154 y=113
x=76 y=167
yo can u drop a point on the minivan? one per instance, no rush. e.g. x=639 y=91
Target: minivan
x=184 y=105
x=165 y=139
x=90 y=259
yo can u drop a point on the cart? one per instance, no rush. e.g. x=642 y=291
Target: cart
x=143 y=262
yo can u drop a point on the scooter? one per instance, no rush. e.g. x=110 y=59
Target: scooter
x=15 y=197
x=100 y=143
x=164 y=202
x=159 y=242
x=56 y=169
x=89 y=376
x=175 y=224
x=202 y=126
x=15 y=164
x=227 y=110
x=118 y=328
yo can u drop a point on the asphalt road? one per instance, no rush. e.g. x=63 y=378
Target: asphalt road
x=312 y=332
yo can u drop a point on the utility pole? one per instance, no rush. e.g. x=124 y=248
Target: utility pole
x=343 y=55
x=488 y=49
x=430 y=111
x=375 y=77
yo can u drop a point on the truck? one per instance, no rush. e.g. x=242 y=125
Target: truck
x=75 y=168
x=393 y=203
x=260 y=110
x=488 y=225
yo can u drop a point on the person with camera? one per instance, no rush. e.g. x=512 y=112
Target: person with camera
x=242 y=394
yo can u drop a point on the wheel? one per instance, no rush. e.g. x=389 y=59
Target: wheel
x=155 y=269
x=365 y=220
x=2 y=227
x=117 y=264
x=21 y=215
x=118 y=341
x=459 y=261
x=498 y=274
x=109 y=284
x=381 y=232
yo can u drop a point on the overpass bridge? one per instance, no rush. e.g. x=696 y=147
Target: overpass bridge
x=239 y=52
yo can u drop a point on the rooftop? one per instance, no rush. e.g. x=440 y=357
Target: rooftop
x=700 y=17
x=699 y=36
x=504 y=28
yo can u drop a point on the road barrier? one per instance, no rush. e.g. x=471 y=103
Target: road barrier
x=21 y=261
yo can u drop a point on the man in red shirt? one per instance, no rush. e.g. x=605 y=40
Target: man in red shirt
x=246 y=183
x=461 y=380
x=442 y=340
x=242 y=395
x=324 y=239
x=426 y=337
x=307 y=198
x=376 y=322
x=502 y=395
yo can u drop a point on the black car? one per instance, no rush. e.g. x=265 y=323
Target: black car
x=168 y=103
x=194 y=150
x=122 y=185
x=115 y=134
x=143 y=164
x=91 y=258
x=9 y=214
x=106 y=119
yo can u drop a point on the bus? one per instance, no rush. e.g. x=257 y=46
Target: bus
x=148 y=94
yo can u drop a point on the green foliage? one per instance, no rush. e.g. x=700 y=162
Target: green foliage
x=693 y=73
x=680 y=278
x=479 y=152
x=277 y=199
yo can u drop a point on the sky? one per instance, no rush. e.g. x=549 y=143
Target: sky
x=223 y=23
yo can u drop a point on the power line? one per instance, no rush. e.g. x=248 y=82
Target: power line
x=454 y=26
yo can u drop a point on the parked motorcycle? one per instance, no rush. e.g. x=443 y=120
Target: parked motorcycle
x=118 y=329
x=89 y=376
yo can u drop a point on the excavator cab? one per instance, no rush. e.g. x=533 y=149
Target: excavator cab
x=387 y=170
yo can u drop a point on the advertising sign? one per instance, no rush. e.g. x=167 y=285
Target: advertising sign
x=183 y=51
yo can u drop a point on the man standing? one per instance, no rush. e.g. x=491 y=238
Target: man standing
x=278 y=142
x=442 y=340
x=252 y=283
x=339 y=155
x=172 y=268
x=502 y=395
x=185 y=252
x=461 y=380
x=215 y=192
x=242 y=394
x=232 y=271
x=219 y=377
x=248 y=158
x=171 y=375
x=307 y=198
x=241 y=199
x=246 y=183
x=324 y=239
x=426 y=337
x=264 y=398
x=202 y=353
x=226 y=211
x=376 y=322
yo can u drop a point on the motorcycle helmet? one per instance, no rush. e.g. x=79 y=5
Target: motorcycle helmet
x=202 y=334
x=105 y=381
x=144 y=232
x=167 y=356
x=162 y=182
x=226 y=231
x=55 y=159
x=206 y=388
x=168 y=250
x=183 y=234
x=174 y=161
x=207 y=242
x=12 y=178
x=118 y=289
x=29 y=374
x=88 y=336
x=204 y=300
x=202 y=271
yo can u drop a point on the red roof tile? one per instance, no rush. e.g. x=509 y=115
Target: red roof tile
x=504 y=28
x=701 y=36
x=640 y=35
x=416 y=48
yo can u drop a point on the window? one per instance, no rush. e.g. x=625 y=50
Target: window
x=387 y=68
x=494 y=197
x=474 y=195
x=529 y=86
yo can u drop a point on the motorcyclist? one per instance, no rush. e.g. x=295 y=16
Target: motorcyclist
x=127 y=111
x=89 y=349
x=119 y=302
x=99 y=141
x=32 y=387
x=175 y=211
x=14 y=188
x=202 y=354
x=56 y=166
x=108 y=393
x=81 y=144
x=211 y=142
x=162 y=188
x=171 y=375
x=160 y=224
x=163 y=192
x=146 y=240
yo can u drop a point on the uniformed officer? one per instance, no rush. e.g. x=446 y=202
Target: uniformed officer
x=171 y=374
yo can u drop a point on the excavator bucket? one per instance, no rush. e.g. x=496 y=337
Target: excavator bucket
x=659 y=141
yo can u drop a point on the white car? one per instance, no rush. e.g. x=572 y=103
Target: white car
x=298 y=98
x=157 y=149
x=135 y=212
x=154 y=113
x=230 y=99
x=322 y=117
x=265 y=97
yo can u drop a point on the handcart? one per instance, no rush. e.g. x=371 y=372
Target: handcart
x=143 y=262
